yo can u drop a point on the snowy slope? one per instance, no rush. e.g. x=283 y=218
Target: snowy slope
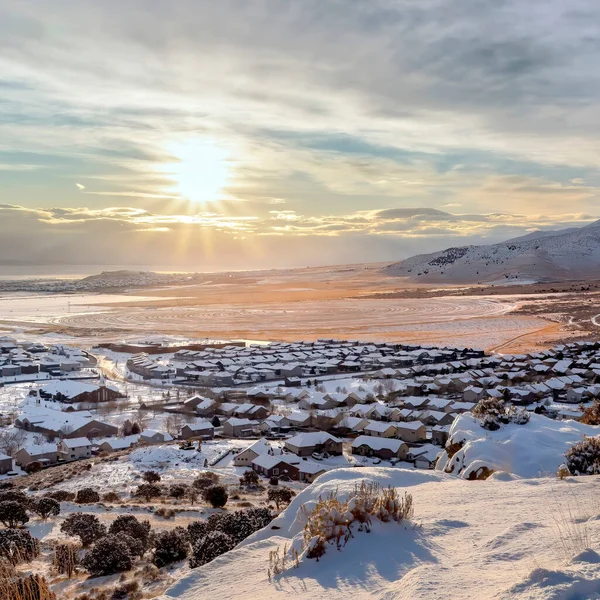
x=535 y=449
x=484 y=539
x=541 y=256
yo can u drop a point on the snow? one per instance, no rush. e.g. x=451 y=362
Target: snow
x=491 y=539
x=302 y=440
x=377 y=443
x=535 y=449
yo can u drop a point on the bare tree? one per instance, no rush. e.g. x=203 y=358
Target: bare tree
x=142 y=417
x=173 y=424
x=12 y=440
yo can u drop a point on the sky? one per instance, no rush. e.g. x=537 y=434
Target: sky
x=244 y=134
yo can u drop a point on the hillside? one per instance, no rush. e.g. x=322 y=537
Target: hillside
x=485 y=539
x=541 y=256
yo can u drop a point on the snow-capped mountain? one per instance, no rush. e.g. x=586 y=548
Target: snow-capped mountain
x=540 y=256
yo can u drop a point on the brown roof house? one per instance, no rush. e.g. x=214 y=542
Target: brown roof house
x=386 y=448
x=47 y=454
x=277 y=466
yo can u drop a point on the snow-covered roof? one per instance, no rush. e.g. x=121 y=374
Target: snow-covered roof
x=79 y=442
x=311 y=439
x=377 y=443
x=37 y=450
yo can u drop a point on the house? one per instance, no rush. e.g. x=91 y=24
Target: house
x=299 y=419
x=305 y=444
x=380 y=429
x=47 y=454
x=246 y=456
x=151 y=436
x=276 y=423
x=473 y=394
x=424 y=457
x=194 y=402
x=75 y=448
x=440 y=434
x=117 y=444
x=309 y=470
x=413 y=431
x=235 y=427
x=204 y=430
x=435 y=417
x=366 y=445
x=6 y=464
x=276 y=466
x=76 y=391
x=351 y=425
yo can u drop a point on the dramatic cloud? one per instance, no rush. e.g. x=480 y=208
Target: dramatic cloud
x=185 y=126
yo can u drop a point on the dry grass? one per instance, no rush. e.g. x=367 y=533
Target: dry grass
x=14 y=586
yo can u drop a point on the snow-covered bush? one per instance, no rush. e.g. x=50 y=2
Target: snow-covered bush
x=249 y=478
x=13 y=514
x=584 y=457
x=109 y=555
x=591 y=415
x=332 y=520
x=178 y=491
x=15 y=496
x=205 y=480
x=85 y=526
x=170 y=546
x=18 y=545
x=280 y=495
x=151 y=477
x=61 y=496
x=87 y=496
x=493 y=412
x=139 y=530
x=135 y=546
x=148 y=491
x=45 y=507
x=210 y=546
x=216 y=496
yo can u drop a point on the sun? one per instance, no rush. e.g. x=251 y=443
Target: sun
x=201 y=170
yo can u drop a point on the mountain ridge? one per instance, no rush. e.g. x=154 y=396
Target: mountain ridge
x=543 y=256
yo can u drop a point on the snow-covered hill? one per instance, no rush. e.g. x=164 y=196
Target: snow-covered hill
x=535 y=449
x=496 y=539
x=541 y=256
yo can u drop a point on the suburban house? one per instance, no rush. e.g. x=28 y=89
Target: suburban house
x=245 y=457
x=47 y=454
x=440 y=434
x=386 y=448
x=276 y=466
x=235 y=427
x=413 y=431
x=305 y=444
x=350 y=424
x=276 y=423
x=204 y=430
x=424 y=457
x=309 y=470
x=381 y=429
x=151 y=436
x=76 y=391
x=6 y=464
x=116 y=444
x=75 y=448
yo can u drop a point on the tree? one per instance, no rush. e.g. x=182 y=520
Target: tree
x=12 y=440
x=173 y=424
x=109 y=555
x=591 y=414
x=18 y=545
x=216 y=496
x=170 y=546
x=249 y=478
x=85 y=526
x=142 y=418
x=13 y=514
x=61 y=495
x=148 y=491
x=139 y=530
x=178 y=491
x=583 y=458
x=45 y=507
x=215 y=421
x=136 y=429
x=210 y=547
x=87 y=496
x=151 y=477
x=205 y=480
x=280 y=495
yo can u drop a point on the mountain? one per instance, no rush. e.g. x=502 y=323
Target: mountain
x=563 y=255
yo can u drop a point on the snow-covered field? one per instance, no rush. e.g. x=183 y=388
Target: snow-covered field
x=494 y=539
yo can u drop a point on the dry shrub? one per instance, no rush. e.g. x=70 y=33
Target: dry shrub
x=111 y=497
x=332 y=520
x=65 y=558
x=14 y=586
x=165 y=513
